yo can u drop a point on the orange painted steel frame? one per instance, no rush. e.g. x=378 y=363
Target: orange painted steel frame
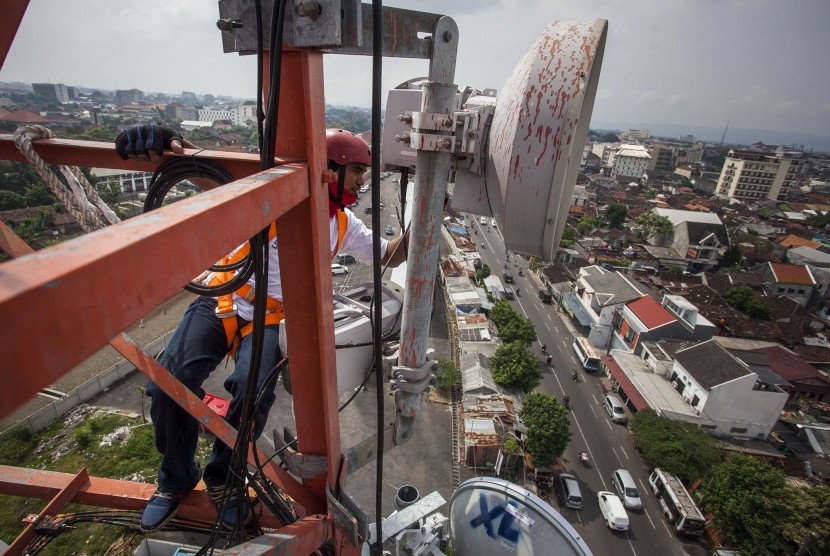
x=67 y=301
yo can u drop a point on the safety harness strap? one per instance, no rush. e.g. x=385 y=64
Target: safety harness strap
x=226 y=308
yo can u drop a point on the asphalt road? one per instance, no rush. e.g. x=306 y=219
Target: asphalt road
x=609 y=445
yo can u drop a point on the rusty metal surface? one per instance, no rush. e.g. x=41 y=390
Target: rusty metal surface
x=13 y=12
x=105 y=493
x=102 y=155
x=439 y=97
x=305 y=241
x=69 y=300
x=60 y=499
x=210 y=420
x=11 y=243
x=538 y=131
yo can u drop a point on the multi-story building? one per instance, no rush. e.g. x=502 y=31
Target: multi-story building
x=213 y=114
x=181 y=112
x=245 y=114
x=636 y=135
x=55 y=91
x=126 y=96
x=755 y=174
x=631 y=162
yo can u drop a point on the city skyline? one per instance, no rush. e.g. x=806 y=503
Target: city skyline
x=757 y=65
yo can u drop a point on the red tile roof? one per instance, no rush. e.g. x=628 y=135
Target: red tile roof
x=789 y=366
x=795 y=241
x=24 y=116
x=650 y=312
x=791 y=274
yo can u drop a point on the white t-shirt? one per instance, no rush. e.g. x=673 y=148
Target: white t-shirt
x=357 y=242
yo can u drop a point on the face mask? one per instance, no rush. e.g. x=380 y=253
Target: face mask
x=346 y=199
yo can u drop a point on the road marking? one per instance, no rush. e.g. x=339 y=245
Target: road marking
x=607 y=422
x=594 y=412
x=624 y=452
x=595 y=399
x=663 y=521
x=588 y=447
x=548 y=327
x=549 y=317
x=649 y=519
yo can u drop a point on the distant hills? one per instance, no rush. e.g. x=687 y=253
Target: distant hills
x=735 y=136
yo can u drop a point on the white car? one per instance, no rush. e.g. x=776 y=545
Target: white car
x=338 y=269
x=613 y=511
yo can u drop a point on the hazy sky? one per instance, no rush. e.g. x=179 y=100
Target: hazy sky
x=761 y=64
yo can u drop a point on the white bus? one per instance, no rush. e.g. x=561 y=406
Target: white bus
x=677 y=503
x=587 y=355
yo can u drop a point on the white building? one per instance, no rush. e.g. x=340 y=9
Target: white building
x=213 y=114
x=245 y=114
x=749 y=174
x=724 y=393
x=129 y=181
x=631 y=162
x=636 y=135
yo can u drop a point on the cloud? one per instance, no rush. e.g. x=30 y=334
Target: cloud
x=678 y=98
x=605 y=93
x=647 y=97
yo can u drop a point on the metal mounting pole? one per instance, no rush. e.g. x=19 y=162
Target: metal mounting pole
x=439 y=97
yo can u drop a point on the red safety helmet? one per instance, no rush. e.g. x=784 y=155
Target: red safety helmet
x=344 y=147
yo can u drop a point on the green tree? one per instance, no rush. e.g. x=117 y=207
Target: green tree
x=110 y=192
x=587 y=223
x=10 y=200
x=568 y=236
x=808 y=513
x=732 y=257
x=512 y=326
x=650 y=193
x=37 y=195
x=616 y=215
x=758 y=309
x=651 y=224
x=514 y=366
x=482 y=273
x=448 y=374
x=548 y=427
x=744 y=299
x=678 y=447
x=746 y=496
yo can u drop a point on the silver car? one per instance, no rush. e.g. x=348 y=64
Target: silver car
x=626 y=489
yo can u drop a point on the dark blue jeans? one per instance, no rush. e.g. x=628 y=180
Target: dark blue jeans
x=198 y=345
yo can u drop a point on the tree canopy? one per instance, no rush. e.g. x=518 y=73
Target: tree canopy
x=514 y=366
x=548 y=427
x=680 y=448
x=652 y=224
x=746 y=496
x=568 y=236
x=512 y=326
x=482 y=272
x=746 y=301
x=616 y=215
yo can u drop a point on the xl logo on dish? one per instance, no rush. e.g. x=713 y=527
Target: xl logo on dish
x=488 y=515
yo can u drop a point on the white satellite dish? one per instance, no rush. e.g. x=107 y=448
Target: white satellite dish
x=520 y=162
x=493 y=516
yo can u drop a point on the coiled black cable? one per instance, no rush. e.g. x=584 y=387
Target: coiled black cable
x=176 y=170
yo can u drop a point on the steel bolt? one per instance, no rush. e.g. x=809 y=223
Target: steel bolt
x=228 y=24
x=309 y=9
x=444 y=144
x=472 y=134
x=403 y=139
x=405 y=118
x=447 y=36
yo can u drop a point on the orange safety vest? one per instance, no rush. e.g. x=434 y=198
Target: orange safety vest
x=226 y=308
